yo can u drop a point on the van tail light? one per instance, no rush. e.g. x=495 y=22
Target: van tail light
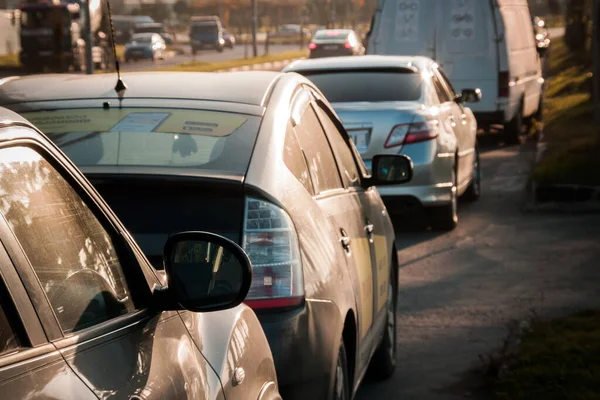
x=312 y=46
x=347 y=45
x=271 y=242
x=415 y=132
x=503 y=84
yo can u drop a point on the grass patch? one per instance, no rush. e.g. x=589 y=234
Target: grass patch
x=200 y=66
x=558 y=359
x=573 y=140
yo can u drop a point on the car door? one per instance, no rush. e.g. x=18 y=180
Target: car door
x=90 y=290
x=376 y=225
x=465 y=133
x=341 y=205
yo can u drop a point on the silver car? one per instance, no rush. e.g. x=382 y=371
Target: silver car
x=406 y=105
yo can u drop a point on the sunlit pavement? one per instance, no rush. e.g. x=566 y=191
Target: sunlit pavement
x=458 y=290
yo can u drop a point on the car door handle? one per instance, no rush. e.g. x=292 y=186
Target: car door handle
x=369 y=228
x=345 y=241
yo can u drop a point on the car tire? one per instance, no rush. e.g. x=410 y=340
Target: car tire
x=383 y=363
x=220 y=49
x=445 y=218
x=341 y=388
x=513 y=129
x=474 y=190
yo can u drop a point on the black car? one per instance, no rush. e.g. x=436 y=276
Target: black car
x=206 y=33
x=335 y=42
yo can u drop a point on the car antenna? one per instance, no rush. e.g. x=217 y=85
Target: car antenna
x=121 y=87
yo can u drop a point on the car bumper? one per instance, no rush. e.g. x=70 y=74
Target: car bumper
x=303 y=342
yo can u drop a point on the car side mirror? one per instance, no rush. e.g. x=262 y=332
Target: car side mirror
x=206 y=272
x=470 y=96
x=391 y=169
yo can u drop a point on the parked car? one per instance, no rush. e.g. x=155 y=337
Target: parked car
x=262 y=159
x=206 y=33
x=542 y=36
x=124 y=28
x=229 y=39
x=406 y=105
x=335 y=42
x=484 y=44
x=145 y=46
x=82 y=312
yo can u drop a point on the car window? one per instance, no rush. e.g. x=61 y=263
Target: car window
x=9 y=341
x=447 y=83
x=440 y=89
x=345 y=157
x=374 y=85
x=321 y=162
x=294 y=159
x=70 y=251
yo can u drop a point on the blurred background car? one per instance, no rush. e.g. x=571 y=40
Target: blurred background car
x=291 y=31
x=144 y=46
x=206 y=32
x=406 y=105
x=542 y=36
x=335 y=42
x=228 y=38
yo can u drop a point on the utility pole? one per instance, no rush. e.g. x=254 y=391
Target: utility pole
x=254 y=27
x=87 y=36
x=333 y=12
x=220 y=5
x=596 y=51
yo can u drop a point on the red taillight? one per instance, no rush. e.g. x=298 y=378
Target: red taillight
x=348 y=45
x=411 y=133
x=312 y=46
x=503 y=84
x=271 y=242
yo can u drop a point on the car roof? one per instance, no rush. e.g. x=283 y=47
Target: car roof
x=8 y=117
x=370 y=61
x=208 y=86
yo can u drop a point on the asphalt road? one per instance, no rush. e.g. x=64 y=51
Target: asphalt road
x=207 y=56
x=458 y=290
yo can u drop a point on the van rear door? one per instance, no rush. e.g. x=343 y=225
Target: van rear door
x=466 y=48
x=404 y=27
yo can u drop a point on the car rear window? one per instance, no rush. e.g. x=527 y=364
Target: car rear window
x=331 y=36
x=350 y=86
x=152 y=137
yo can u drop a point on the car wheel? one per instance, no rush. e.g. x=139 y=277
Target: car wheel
x=340 y=385
x=513 y=130
x=220 y=49
x=474 y=190
x=445 y=217
x=383 y=363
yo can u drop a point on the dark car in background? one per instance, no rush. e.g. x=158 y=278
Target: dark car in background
x=125 y=26
x=145 y=46
x=206 y=33
x=83 y=314
x=261 y=159
x=335 y=43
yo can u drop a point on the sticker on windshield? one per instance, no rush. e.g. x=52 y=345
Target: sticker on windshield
x=462 y=24
x=195 y=122
x=407 y=20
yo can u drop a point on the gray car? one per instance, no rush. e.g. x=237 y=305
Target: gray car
x=83 y=315
x=262 y=159
x=406 y=105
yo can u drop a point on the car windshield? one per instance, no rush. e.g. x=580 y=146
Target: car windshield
x=331 y=36
x=205 y=28
x=141 y=39
x=152 y=137
x=370 y=86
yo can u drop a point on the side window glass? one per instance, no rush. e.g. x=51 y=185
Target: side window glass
x=321 y=162
x=447 y=83
x=71 y=252
x=348 y=164
x=440 y=89
x=294 y=159
x=9 y=341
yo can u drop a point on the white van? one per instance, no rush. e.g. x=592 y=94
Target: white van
x=487 y=44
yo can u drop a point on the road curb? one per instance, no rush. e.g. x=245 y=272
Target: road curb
x=560 y=198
